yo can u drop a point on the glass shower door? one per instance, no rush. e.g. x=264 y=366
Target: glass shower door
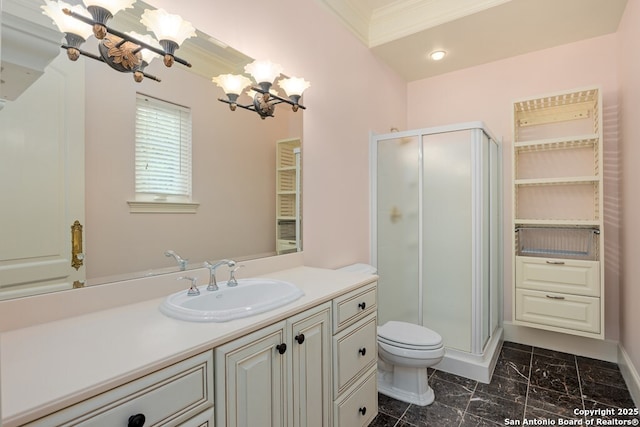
x=397 y=226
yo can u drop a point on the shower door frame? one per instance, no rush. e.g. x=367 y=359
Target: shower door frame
x=478 y=128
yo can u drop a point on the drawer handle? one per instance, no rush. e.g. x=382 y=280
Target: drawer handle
x=300 y=338
x=555 y=262
x=363 y=410
x=136 y=420
x=281 y=348
x=362 y=351
x=362 y=305
x=554 y=297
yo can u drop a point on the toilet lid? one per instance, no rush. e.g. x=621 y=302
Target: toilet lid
x=405 y=334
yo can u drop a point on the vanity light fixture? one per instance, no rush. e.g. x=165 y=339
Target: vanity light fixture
x=125 y=52
x=265 y=98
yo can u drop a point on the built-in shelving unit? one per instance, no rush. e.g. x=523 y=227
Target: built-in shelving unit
x=558 y=212
x=288 y=196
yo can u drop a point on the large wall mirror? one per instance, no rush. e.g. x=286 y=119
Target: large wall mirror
x=67 y=141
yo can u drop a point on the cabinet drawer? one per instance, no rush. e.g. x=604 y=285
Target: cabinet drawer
x=558 y=310
x=353 y=306
x=168 y=397
x=359 y=406
x=355 y=350
x=558 y=275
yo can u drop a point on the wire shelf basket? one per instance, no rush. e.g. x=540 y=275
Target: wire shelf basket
x=558 y=242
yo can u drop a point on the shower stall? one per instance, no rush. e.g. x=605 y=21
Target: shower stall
x=437 y=237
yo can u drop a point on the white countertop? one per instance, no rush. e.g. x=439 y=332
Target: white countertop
x=50 y=366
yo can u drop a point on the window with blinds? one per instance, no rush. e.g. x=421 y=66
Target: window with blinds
x=163 y=149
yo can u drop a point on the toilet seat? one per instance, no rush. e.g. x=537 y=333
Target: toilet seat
x=409 y=336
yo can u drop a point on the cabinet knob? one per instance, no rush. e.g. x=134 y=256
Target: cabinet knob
x=136 y=420
x=363 y=410
x=362 y=351
x=281 y=348
x=300 y=338
x=362 y=305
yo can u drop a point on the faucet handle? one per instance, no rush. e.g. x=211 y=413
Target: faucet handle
x=213 y=282
x=232 y=278
x=193 y=289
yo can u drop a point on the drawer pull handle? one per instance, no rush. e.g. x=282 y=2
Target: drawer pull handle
x=362 y=305
x=281 y=348
x=362 y=351
x=136 y=420
x=363 y=410
x=554 y=297
x=555 y=262
x=300 y=338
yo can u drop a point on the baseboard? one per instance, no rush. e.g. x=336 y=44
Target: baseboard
x=582 y=346
x=630 y=375
x=476 y=367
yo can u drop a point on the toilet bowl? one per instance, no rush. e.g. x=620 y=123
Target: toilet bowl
x=405 y=351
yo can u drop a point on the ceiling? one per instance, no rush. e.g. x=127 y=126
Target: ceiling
x=472 y=32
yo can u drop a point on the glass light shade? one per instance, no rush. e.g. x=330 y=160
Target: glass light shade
x=167 y=26
x=66 y=23
x=294 y=85
x=263 y=71
x=147 y=55
x=231 y=83
x=113 y=6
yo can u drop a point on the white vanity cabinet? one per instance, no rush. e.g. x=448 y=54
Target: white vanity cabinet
x=355 y=355
x=178 y=395
x=279 y=375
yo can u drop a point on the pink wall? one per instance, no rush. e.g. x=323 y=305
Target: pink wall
x=351 y=94
x=486 y=93
x=629 y=75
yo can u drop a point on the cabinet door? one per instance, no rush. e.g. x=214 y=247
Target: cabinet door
x=252 y=376
x=311 y=358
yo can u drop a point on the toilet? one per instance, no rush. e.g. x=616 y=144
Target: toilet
x=405 y=351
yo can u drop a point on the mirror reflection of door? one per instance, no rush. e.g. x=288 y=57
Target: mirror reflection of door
x=42 y=148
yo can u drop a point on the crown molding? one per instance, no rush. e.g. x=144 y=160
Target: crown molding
x=405 y=17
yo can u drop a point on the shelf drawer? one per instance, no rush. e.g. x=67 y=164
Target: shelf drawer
x=355 y=350
x=558 y=275
x=360 y=406
x=168 y=397
x=353 y=306
x=558 y=310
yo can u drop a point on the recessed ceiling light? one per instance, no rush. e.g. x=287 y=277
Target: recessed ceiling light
x=437 y=55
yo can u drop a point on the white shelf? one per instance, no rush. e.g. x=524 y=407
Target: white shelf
x=581 y=141
x=559 y=181
x=557 y=190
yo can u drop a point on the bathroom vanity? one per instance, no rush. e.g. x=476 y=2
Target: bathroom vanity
x=311 y=362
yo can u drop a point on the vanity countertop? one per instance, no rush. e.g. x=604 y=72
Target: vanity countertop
x=47 y=367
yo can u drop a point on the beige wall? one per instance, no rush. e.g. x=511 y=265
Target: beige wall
x=629 y=74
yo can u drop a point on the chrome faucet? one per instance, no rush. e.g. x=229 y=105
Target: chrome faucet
x=193 y=289
x=182 y=263
x=213 y=282
x=232 y=279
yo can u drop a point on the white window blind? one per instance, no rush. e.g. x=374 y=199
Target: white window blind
x=163 y=148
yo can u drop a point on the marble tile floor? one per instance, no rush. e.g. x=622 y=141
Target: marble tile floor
x=530 y=386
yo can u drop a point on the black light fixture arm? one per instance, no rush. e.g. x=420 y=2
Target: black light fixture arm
x=280 y=99
x=124 y=36
x=99 y=58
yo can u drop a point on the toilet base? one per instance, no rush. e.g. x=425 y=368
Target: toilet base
x=413 y=385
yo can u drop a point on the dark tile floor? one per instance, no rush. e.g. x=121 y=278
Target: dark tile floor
x=528 y=383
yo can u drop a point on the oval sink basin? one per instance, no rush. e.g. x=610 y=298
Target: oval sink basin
x=251 y=296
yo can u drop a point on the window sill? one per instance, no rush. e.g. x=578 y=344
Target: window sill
x=163 y=207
